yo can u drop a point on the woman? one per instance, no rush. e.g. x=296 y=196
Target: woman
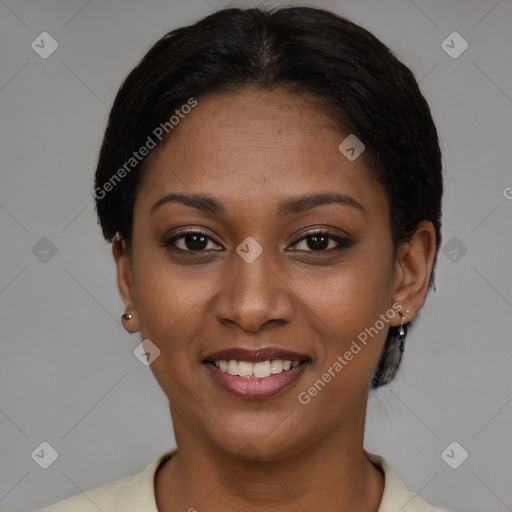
x=271 y=184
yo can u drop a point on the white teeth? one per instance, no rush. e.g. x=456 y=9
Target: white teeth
x=233 y=367
x=262 y=369
x=276 y=366
x=253 y=370
x=245 y=368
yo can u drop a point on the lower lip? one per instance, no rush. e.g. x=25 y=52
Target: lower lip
x=260 y=387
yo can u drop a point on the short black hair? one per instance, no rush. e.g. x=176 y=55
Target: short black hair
x=369 y=92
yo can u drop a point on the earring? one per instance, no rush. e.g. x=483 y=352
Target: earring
x=127 y=316
x=402 y=332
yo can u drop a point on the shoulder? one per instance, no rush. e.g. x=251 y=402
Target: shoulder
x=396 y=496
x=105 y=498
x=135 y=492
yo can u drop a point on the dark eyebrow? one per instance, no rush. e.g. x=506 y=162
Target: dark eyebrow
x=306 y=202
x=200 y=201
x=295 y=205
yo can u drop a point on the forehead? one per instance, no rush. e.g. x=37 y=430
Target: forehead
x=257 y=147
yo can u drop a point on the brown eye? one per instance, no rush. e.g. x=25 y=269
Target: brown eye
x=318 y=241
x=189 y=241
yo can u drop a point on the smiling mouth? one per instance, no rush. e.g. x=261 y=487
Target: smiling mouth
x=256 y=374
x=255 y=370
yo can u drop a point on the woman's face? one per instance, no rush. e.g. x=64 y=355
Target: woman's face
x=258 y=280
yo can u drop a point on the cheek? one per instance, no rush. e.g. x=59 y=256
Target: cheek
x=167 y=297
x=169 y=310
x=351 y=296
x=344 y=311
x=172 y=303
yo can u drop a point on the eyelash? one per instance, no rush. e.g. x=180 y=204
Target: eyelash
x=343 y=243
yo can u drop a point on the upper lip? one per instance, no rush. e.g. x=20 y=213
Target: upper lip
x=255 y=355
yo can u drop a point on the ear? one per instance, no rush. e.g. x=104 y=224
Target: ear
x=123 y=263
x=413 y=268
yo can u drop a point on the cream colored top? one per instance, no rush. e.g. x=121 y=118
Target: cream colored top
x=136 y=493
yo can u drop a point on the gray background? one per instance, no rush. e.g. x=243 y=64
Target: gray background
x=68 y=375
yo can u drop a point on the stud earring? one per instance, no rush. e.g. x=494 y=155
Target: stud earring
x=127 y=316
x=402 y=332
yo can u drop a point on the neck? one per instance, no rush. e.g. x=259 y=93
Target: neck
x=332 y=473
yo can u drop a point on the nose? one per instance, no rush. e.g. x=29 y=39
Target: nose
x=254 y=295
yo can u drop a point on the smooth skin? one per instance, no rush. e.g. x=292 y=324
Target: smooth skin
x=252 y=150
